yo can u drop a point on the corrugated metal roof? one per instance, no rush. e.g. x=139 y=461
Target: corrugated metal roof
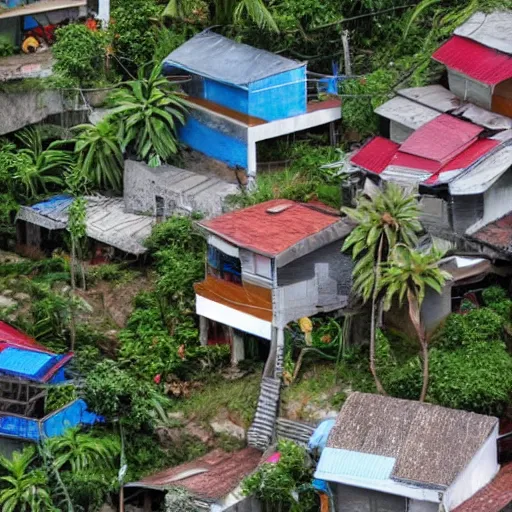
x=375 y=155
x=497 y=234
x=441 y=139
x=483 y=117
x=339 y=462
x=484 y=173
x=492 y=29
x=106 y=221
x=214 y=56
x=474 y=60
x=414 y=162
x=15 y=338
x=406 y=112
x=433 y=96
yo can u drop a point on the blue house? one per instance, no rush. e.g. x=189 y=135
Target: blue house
x=239 y=95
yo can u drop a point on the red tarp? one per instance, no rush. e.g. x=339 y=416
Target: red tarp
x=475 y=60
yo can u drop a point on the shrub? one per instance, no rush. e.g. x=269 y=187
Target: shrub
x=79 y=54
x=476 y=378
x=478 y=325
x=88 y=489
x=494 y=294
x=115 y=394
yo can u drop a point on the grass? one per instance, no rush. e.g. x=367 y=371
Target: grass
x=239 y=398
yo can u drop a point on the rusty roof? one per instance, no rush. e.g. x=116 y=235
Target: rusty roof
x=210 y=477
x=494 y=496
x=497 y=234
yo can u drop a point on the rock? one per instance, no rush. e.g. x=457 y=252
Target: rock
x=178 y=415
x=7 y=293
x=65 y=290
x=168 y=437
x=22 y=297
x=194 y=430
x=229 y=428
x=6 y=302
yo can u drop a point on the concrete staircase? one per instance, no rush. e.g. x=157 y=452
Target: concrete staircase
x=261 y=432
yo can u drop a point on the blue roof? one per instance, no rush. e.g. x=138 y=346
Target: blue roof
x=17 y=426
x=53 y=204
x=335 y=463
x=28 y=364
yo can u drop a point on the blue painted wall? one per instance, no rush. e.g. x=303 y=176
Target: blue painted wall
x=213 y=143
x=272 y=102
x=228 y=96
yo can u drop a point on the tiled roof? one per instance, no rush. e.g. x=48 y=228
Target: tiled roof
x=494 y=496
x=475 y=60
x=497 y=234
x=272 y=227
x=212 y=476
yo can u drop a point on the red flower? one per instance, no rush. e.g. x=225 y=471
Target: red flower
x=157 y=379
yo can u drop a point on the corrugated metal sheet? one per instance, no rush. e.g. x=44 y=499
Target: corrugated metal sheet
x=217 y=57
x=352 y=464
x=483 y=117
x=16 y=338
x=441 y=139
x=469 y=89
x=409 y=161
x=482 y=175
x=375 y=155
x=475 y=60
x=406 y=112
x=493 y=30
x=433 y=96
x=497 y=234
x=23 y=362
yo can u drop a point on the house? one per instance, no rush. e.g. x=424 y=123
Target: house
x=166 y=190
x=27 y=369
x=41 y=225
x=212 y=482
x=268 y=265
x=238 y=95
x=390 y=454
x=479 y=61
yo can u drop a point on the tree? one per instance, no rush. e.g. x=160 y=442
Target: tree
x=227 y=12
x=100 y=159
x=79 y=450
x=148 y=111
x=408 y=273
x=23 y=488
x=389 y=218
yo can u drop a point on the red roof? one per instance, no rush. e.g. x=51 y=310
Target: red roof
x=497 y=234
x=493 y=497
x=475 y=60
x=14 y=338
x=270 y=233
x=415 y=162
x=212 y=476
x=375 y=155
x=441 y=139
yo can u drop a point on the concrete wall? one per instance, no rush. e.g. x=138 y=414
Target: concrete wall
x=25 y=108
x=435 y=307
x=317 y=282
x=422 y=506
x=351 y=499
x=466 y=210
x=477 y=474
x=469 y=90
x=498 y=199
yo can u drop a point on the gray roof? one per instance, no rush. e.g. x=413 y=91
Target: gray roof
x=407 y=112
x=214 y=56
x=106 y=221
x=431 y=445
x=433 y=96
x=493 y=30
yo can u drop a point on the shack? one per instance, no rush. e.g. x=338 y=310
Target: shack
x=27 y=369
x=238 y=95
x=390 y=454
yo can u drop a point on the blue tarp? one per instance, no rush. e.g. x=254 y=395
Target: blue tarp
x=53 y=204
x=16 y=426
x=319 y=438
x=214 y=56
x=28 y=364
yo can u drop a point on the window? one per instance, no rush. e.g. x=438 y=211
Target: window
x=262 y=266
x=224 y=266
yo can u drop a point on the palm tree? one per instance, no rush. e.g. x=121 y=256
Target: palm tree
x=100 y=159
x=80 y=450
x=23 y=488
x=227 y=12
x=408 y=273
x=389 y=218
x=148 y=111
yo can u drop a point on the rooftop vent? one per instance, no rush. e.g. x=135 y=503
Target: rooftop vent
x=279 y=208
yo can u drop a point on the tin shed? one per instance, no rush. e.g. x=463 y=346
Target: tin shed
x=239 y=77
